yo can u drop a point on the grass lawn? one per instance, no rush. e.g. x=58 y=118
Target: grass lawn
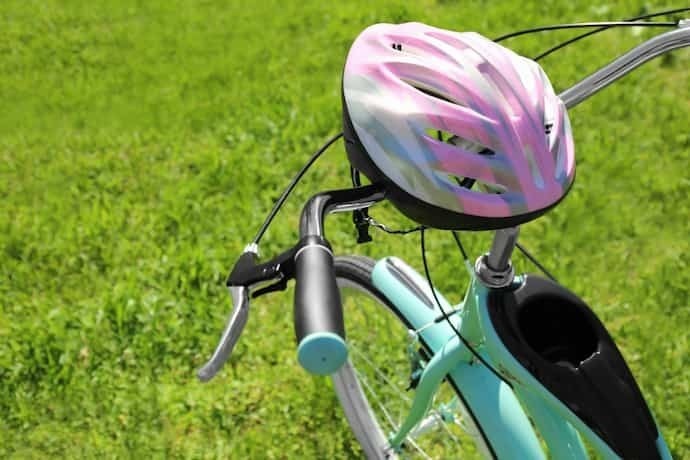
x=142 y=144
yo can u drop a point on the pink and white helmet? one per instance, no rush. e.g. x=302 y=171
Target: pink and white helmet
x=464 y=133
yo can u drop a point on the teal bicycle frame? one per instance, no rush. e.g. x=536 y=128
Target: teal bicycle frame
x=498 y=409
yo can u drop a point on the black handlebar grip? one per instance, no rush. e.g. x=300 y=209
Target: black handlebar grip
x=318 y=310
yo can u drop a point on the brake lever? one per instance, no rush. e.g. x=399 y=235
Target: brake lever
x=245 y=276
x=232 y=332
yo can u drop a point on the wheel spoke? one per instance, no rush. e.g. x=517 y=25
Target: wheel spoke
x=433 y=420
x=381 y=375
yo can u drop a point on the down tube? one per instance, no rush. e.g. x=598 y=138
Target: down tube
x=490 y=402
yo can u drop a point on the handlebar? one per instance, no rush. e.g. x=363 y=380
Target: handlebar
x=318 y=312
x=319 y=324
x=655 y=46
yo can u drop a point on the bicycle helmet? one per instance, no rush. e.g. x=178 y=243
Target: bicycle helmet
x=463 y=133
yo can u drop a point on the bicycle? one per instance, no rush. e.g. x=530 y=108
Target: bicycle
x=516 y=365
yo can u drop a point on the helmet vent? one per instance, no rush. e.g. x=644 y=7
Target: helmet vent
x=487 y=187
x=476 y=185
x=440 y=135
x=430 y=92
x=465 y=182
x=454 y=139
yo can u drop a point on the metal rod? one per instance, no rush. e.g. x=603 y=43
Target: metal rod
x=502 y=248
x=626 y=63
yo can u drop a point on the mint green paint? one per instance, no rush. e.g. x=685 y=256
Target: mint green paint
x=492 y=402
x=413 y=309
x=562 y=439
x=471 y=326
x=322 y=353
x=663 y=448
x=497 y=412
x=435 y=371
x=495 y=405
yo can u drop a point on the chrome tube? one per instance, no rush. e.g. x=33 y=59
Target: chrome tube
x=498 y=258
x=626 y=63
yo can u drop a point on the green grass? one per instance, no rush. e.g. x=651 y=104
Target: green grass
x=142 y=143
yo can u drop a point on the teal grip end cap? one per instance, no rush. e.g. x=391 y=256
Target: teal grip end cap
x=322 y=353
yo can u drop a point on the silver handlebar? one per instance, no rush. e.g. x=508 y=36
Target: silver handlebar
x=621 y=66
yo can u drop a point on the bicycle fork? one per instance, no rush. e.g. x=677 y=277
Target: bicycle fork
x=433 y=374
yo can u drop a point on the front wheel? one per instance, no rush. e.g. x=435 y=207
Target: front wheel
x=375 y=386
